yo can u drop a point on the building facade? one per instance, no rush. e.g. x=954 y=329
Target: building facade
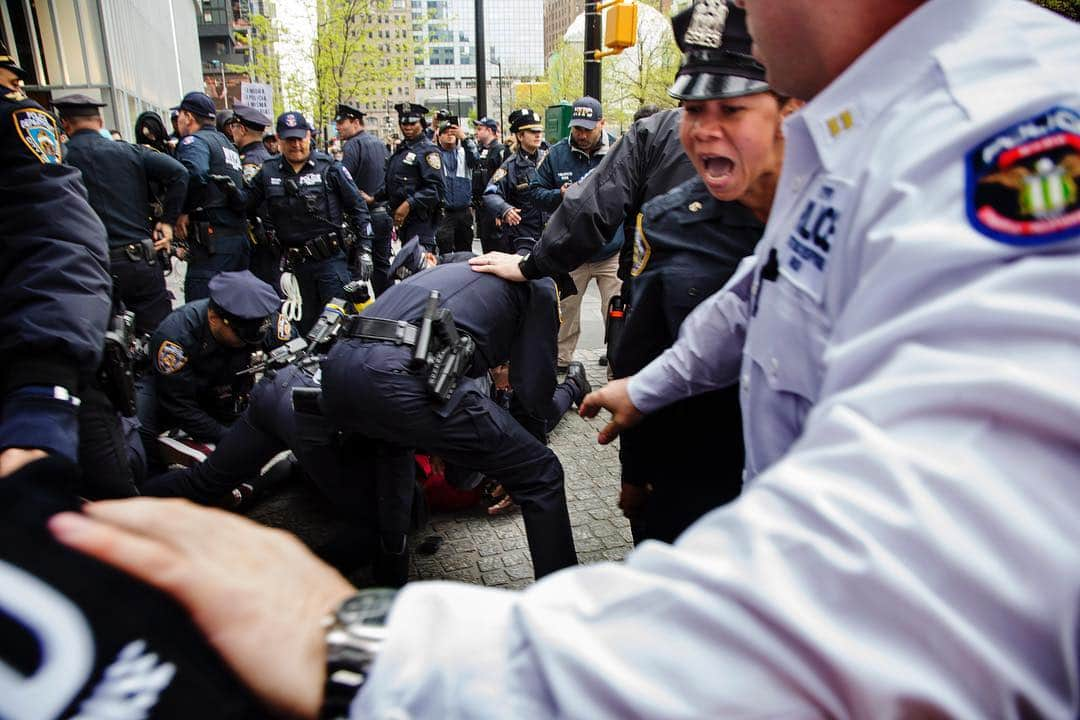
x=444 y=34
x=134 y=55
x=226 y=41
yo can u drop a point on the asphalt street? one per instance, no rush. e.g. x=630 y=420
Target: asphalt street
x=477 y=547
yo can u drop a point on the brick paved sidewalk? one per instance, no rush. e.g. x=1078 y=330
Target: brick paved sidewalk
x=482 y=549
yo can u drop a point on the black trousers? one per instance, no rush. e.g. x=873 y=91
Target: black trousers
x=490 y=234
x=109 y=468
x=369 y=388
x=381 y=225
x=141 y=287
x=455 y=233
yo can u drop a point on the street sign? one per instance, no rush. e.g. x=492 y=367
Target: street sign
x=259 y=96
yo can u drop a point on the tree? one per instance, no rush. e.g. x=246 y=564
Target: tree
x=1068 y=8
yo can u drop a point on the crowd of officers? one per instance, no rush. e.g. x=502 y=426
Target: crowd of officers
x=273 y=233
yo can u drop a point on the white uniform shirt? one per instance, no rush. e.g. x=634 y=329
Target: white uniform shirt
x=911 y=546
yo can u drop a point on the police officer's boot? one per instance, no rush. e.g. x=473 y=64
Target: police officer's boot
x=575 y=373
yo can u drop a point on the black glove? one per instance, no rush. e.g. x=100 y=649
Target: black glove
x=366 y=266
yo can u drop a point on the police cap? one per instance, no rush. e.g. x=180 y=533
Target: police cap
x=408 y=261
x=525 y=119
x=198 y=104
x=586 y=113
x=348 y=112
x=292 y=125
x=7 y=61
x=409 y=113
x=488 y=123
x=78 y=105
x=244 y=303
x=716 y=63
x=249 y=117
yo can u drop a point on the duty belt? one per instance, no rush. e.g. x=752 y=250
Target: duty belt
x=398 y=332
x=320 y=248
x=136 y=251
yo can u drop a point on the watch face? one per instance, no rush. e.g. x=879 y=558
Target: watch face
x=367 y=607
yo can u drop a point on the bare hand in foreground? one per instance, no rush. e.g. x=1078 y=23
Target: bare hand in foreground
x=614 y=397
x=512 y=216
x=504 y=265
x=257 y=594
x=12 y=459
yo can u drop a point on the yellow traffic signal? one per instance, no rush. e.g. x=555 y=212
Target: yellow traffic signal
x=620 y=27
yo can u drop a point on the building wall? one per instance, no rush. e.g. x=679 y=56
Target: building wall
x=134 y=55
x=558 y=14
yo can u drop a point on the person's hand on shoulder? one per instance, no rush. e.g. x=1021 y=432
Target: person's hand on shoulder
x=503 y=265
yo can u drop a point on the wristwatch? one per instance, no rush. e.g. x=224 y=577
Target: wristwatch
x=527 y=267
x=354 y=634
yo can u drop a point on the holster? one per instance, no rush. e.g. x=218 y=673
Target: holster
x=116 y=373
x=204 y=235
x=614 y=327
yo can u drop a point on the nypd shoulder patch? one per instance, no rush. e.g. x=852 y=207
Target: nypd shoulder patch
x=170 y=358
x=1022 y=183
x=499 y=175
x=37 y=129
x=642 y=249
x=434 y=161
x=188 y=140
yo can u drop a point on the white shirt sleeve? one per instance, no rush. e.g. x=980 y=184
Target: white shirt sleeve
x=709 y=349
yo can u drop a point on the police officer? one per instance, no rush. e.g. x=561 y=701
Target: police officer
x=54 y=283
x=365 y=157
x=197 y=352
x=118 y=177
x=372 y=387
x=414 y=184
x=689 y=242
x=249 y=125
x=316 y=212
x=508 y=197
x=492 y=153
x=214 y=225
x=568 y=161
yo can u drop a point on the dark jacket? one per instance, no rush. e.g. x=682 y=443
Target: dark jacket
x=55 y=289
x=510 y=187
x=414 y=173
x=365 y=157
x=205 y=153
x=310 y=203
x=648 y=161
x=117 y=176
x=490 y=157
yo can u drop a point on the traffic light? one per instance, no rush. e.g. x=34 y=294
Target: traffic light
x=620 y=26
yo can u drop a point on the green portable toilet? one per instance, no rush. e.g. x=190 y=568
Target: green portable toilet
x=557 y=122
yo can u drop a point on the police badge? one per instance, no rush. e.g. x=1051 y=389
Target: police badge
x=434 y=161
x=642 y=249
x=707 y=24
x=170 y=358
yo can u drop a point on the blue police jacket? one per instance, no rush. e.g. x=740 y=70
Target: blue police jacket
x=563 y=164
x=205 y=153
x=55 y=289
x=116 y=176
x=365 y=157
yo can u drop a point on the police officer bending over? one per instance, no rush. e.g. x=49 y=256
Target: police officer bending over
x=214 y=225
x=508 y=197
x=117 y=176
x=197 y=352
x=317 y=213
x=54 y=283
x=414 y=182
x=377 y=384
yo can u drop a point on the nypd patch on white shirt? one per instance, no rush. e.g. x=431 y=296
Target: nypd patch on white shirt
x=804 y=253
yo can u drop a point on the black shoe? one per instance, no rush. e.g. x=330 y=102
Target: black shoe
x=575 y=373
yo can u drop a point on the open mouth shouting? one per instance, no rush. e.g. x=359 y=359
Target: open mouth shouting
x=719 y=170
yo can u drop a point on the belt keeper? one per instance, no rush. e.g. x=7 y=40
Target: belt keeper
x=401 y=326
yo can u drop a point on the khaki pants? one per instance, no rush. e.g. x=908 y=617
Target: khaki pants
x=605 y=272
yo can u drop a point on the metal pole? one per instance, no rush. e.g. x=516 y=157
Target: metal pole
x=593 y=38
x=224 y=87
x=447 y=96
x=481 y=63
x=502 y=121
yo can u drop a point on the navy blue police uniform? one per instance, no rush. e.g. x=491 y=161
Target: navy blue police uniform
x=371 y=388
x=414 y=174
x=365 y=157
x=54 y=281
x=194 y=385
x=311 y=210
x=511 y=187
x=217 y=231
x=491 y=157
x=688 y=245
x=118 y=176
x=265 y=252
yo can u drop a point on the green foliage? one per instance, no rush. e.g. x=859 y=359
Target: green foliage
x=1068 y=8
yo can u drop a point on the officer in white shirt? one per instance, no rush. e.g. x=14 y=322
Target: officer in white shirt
x=909 y=343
